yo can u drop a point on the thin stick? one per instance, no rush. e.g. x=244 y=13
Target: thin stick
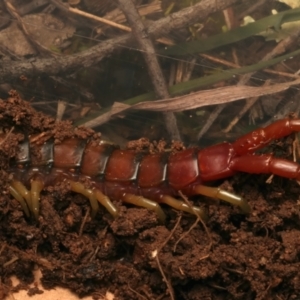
x=137 y=293
x=141 y=35
x=155 y=255
x=249 y=103
x=213 y=116
x=55 y=65
x=279 y=49
x=99 y=19
x=235 y=66
x=170 y=235
x=7 y=136
x=111 y=23
x=2 y=248
x=94 y=254
x=83 y=222
x=199 y=219
x=186 y=233
x=15 y=258
x=170 y=288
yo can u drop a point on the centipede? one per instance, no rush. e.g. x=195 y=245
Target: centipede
x=147 y=180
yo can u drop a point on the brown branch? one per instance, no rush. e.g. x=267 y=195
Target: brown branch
x=141 y=35
x=51 y=66
x=160 y=86
x=189 y=16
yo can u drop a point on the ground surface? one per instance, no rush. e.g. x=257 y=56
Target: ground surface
x=237 y=257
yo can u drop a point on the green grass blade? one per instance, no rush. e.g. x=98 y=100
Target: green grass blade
x=235 y=35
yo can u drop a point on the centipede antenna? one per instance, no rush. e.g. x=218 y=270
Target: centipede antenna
x=144 y=202
x=20 y=199
x=180 y=205
x=79 y=188
x=218 y=193
x=36 y=188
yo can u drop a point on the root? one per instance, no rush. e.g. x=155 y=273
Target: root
x=169 y=286
x=155 y=255
x=83 y=222
x=137 y=293
x=199 y=219
x=171 y=233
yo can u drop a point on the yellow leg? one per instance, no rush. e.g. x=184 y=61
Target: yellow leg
x=21 y=189
x=79 y=188
x=214 y=192
x=105 y=201
x=180 y=205
x=36 y=188
x=19 y=198
x=144 y=202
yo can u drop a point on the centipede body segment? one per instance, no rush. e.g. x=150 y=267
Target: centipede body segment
x=143 y=179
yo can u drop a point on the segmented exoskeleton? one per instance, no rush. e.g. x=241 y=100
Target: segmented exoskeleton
x=143 y=179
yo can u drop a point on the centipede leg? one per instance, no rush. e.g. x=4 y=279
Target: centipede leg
x=105 y=201
x=218 y=193
x=79 y=188
x=36 y=188
x=144 y=202
x=20 y=189
x=20 y=199
x=180 y=205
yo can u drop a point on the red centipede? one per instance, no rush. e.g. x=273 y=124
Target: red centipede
x=144 y=179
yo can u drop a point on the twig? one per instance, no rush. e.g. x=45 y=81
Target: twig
x=2 y=248
x=249 y=103
x=256 y=5
x=7 y=135
x=15 y=258
x=102 y=20
x=170 y=235
x=29 y=7
x=61 y=108
x=187 y=232
x=141 y=35
x=52 y=66
x=94 y=254
x=213 y=116
x=157 y=251
x=279 y=49
x=233 y=65
x=81 y=91
x=138 y=294
x=67 y=8
x=170 y=288
x=199 y=219
x=117 y=15
x=33 y=257
x=66 y=63
x=83 y=221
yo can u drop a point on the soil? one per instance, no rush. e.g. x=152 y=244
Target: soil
x=234 y=256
